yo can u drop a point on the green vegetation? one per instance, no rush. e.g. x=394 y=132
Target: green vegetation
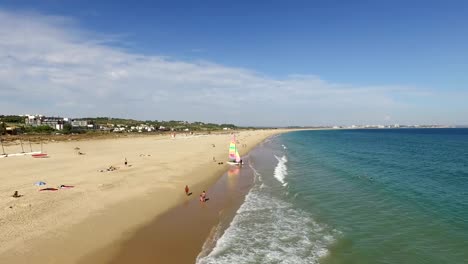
x=2 y=128
x=176 y=125
x=38 y=129
x=12 y=119
x=110 y=120
x=67 y=128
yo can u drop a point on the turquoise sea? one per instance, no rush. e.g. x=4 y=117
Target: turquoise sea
x=353 y=196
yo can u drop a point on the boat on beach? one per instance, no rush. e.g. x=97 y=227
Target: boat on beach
x=234 y=157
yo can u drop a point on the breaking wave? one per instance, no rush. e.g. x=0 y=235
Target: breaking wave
x=268 y=229
x=281 y=170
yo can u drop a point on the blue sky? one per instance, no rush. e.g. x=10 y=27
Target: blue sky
x=287 y=62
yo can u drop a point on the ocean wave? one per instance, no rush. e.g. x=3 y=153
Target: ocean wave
x=281 y=170
x=270 y=230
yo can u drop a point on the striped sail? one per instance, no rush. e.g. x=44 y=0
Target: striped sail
x=232 y=149
x=237 y=156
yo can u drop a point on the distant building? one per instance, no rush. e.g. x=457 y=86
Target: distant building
x=54 y=122
x=13 y=130
x=116 y=129
x=34 y=120
x=40 y=120
x=105 y=128
x=79 y=123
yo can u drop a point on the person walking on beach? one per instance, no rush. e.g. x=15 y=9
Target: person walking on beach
x=125 y=162
x=203 y=196
x=186 y=190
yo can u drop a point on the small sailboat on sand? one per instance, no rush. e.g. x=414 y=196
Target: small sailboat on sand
x=234 y=157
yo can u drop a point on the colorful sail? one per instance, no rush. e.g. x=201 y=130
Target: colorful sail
x=233 y=149
x=237 y=156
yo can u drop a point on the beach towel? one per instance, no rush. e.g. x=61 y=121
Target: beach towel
x=39 y=183
x=48 y=189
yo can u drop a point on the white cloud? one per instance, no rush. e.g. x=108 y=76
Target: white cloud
x=48 y=65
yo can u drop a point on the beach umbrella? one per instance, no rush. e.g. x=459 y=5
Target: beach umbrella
x=40 y=183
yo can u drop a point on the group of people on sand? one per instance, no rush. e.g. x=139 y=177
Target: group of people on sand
x=113 y=168
x=110 y=168
x=202 y=198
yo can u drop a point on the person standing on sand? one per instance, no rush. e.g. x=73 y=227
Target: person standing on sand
x=125 y=162
x=203 y=195
x=186 y=190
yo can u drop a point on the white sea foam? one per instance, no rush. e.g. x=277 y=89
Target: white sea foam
x=214 y=235
x=257 y=175
x=281 y=170
x=267 y=229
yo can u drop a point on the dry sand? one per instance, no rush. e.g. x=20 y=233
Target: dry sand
x=65 y=225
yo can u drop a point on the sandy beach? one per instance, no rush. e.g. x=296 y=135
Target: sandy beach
x=186 y=231
x=103 y=207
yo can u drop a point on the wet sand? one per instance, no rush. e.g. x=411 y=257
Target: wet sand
x=178 y=235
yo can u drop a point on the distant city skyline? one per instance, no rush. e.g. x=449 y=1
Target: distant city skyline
x=251 y=64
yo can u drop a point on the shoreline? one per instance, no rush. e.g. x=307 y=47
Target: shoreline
x=181 y=234
x=102 y=224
